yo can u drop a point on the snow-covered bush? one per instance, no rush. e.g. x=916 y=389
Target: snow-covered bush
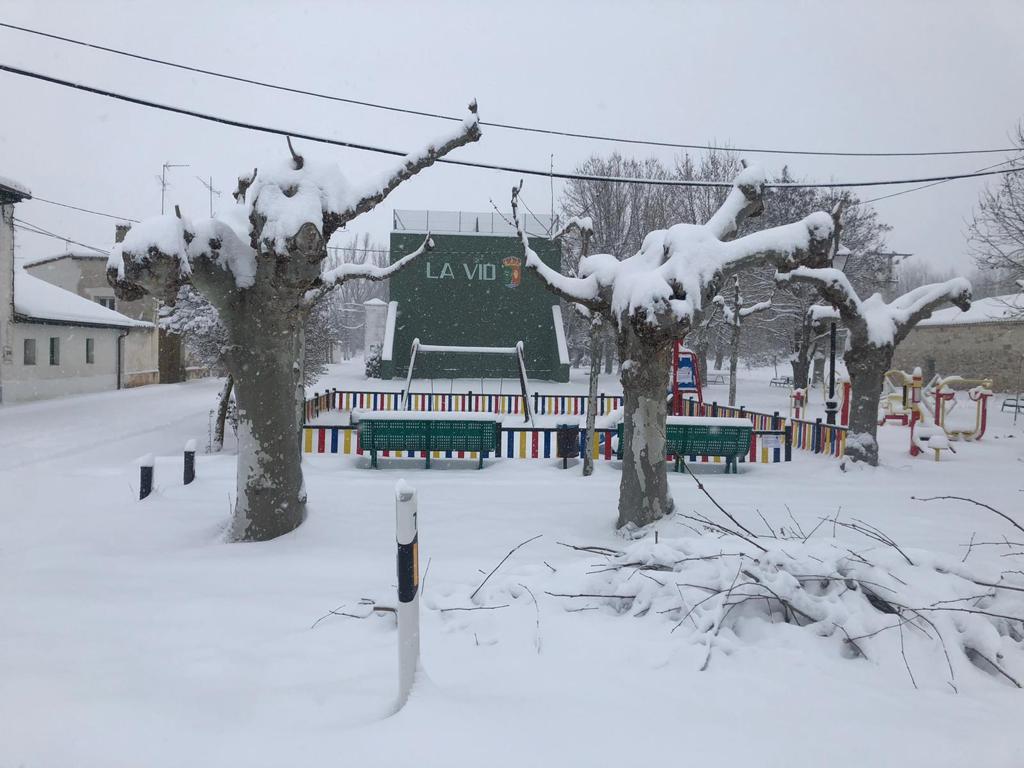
x=373 y=360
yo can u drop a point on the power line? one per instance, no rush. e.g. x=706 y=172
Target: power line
x=505 y=126
x=36 y=198
x=933 y=184
x=26 y=226
x=472 y=164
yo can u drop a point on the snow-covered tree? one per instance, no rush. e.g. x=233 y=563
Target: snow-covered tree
x=997 y=230
x=261 y=266
x=655 y=297
x=734 y=312
x=196 y=320
x=875 y=328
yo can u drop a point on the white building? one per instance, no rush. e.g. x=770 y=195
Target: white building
x=52 y=342
x=85 y=273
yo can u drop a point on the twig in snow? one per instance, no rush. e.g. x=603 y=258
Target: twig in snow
x=992 y=664
x=536 y=606
x=970 y=546
x=1005 y=517
x=423 y=581
x=594 y=550
x=722 y=509
x=903 y=653
x=587 y=594
x=799 y=529
x=771 y=531
x=723 y=529
x=475 y=608
x=506 y=557
x=338 y=612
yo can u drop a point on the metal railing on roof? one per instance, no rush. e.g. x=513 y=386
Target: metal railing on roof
x=466 y=222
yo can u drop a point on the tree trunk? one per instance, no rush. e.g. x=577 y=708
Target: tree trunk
x=271 y=498
x=223 y=403
x=734 y=358
x=801 y=356
x=595 y=370
x=719 y=357
x=867 y=366
x=700 y=348
x=643 y=492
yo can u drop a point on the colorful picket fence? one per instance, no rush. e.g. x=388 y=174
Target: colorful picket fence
x=813 y=436
x=542 y=405
x=817 y=437
x=766 y=447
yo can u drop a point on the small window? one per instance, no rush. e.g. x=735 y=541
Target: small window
x=54 y=350
x=106 y=301
x=30 y=352
x=90 y=351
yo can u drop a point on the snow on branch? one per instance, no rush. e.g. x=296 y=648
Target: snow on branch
x=873 y=320
x=333 y=278
x=677 y=270
x=584 y=290
x=370 y=195
x=582 y=224
x=744 y=200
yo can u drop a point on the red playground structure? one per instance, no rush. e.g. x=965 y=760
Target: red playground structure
x=685 y=378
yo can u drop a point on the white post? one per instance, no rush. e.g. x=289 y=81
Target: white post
x=408 y=589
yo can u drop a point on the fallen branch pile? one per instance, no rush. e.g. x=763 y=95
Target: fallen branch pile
x=931 y=615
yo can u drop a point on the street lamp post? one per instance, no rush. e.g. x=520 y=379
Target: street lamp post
x=831 y=406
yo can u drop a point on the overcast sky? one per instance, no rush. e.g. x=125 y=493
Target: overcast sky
x=864 y=76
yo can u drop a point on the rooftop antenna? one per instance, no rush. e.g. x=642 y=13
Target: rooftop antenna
x=210 y=189
x=163 y=181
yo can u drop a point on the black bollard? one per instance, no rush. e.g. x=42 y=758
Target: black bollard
x=145 y=476
x=190 y=461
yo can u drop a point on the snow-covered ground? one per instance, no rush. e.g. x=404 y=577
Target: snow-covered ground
x=130 y=635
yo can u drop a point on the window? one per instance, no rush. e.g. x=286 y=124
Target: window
x=54 y=350
x=30 y=352
x=90 y=351
x=106 y=301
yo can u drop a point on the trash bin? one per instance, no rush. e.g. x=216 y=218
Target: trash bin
x=568 y=439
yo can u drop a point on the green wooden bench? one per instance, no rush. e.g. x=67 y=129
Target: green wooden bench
x=705 y=436
x=404 y=431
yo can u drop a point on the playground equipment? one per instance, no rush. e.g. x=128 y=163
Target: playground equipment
x=927 y=408
x=685 y=378
x=939 y=390
x=902 y=402
x=516 y=352
x=798 y=401
x=895 y=402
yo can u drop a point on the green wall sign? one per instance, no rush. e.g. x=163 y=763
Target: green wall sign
x=473 y=291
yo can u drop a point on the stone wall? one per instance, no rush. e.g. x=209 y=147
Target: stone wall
x=972 y=350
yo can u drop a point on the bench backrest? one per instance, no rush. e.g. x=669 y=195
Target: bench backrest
x=423 y=435
x=701 y=440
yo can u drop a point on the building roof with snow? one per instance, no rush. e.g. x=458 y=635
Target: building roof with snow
x=12 y=191
x=37 y=301
x=81 y=255
x=994 y=309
